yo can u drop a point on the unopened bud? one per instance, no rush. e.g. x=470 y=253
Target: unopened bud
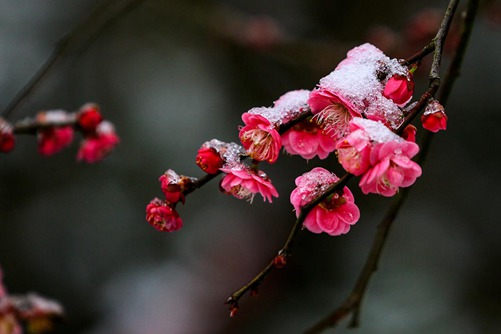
x=280 y=261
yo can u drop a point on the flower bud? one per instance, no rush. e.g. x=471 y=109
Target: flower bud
x=434 y=118
x=409 y=133
x=89 y=117
x=209 y=160
x=280 y=261
x=399 y=89
x=7 y=140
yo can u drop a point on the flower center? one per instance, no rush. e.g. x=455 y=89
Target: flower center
x=260 y=143
x=333 y=202
x=241 y=192
x=335 y=119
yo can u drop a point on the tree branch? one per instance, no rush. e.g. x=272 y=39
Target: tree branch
x=285 y=251
x=352 y=304
x=100 y=18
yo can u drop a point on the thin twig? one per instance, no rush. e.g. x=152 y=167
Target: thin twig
x=353 y=303
x=286 y=248
x=92 y=26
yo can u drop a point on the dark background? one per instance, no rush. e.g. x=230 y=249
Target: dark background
x=173 y=74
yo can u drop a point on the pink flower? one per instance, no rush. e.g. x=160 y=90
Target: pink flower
x=353 y=152
x=209 y=160
x=173 y=186
x=7 y=140
x=434 y=118
x=335 y=214
x=52 y=140
x=163 y=217
x=399 y=89
x=260 y=138
x=89 y=117
x=243 y=182
x=308 y=140
x=391 y=168
x=332 y=111
x=97 y=146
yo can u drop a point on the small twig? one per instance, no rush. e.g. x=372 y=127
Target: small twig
x=95 y=22
x=352 y=304
x=31 y=126
x=286 y=248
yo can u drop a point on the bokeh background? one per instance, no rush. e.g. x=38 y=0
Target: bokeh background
x=173 y=74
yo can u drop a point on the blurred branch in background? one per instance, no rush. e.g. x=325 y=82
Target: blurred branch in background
x=75 y=42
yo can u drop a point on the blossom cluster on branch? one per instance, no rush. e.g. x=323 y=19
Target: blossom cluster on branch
x=36 y=313
x=55 y=130
x=357 y=112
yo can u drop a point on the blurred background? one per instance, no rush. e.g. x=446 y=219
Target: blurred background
x=173 y=74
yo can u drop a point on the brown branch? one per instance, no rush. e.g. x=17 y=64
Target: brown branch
x=285 y=251
x=352 y=304
x=99 y=19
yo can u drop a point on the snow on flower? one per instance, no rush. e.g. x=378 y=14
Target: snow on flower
x=53 y=139
x=172 y=186
x=434 y=118
x=291 y=105
x=98 y=145
x=355 y=89
x=213 y=154
x=163 y=217
x=243 y=182
x=335 y=214
x=308 y=140
x=260 y=137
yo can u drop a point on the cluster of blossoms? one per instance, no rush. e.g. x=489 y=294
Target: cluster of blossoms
x=356 y=111
x=162 y=214
x=36 y=312
x=55 y=131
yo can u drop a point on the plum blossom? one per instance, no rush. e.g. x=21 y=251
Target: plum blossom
x=38 y=314
x=96 y=146
x=434 y=118
x=332 y=111
x=53 y=139
x=260 y=138
x=378 y=154
x=89 y=117
x=354 y=151
x=355 y=89
x=172 y=186
x=399 y=89
x=335 y=214
x=308 y=140
x=163 y=217
x=391 y=168
x=243 y=182
x=7 y=140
